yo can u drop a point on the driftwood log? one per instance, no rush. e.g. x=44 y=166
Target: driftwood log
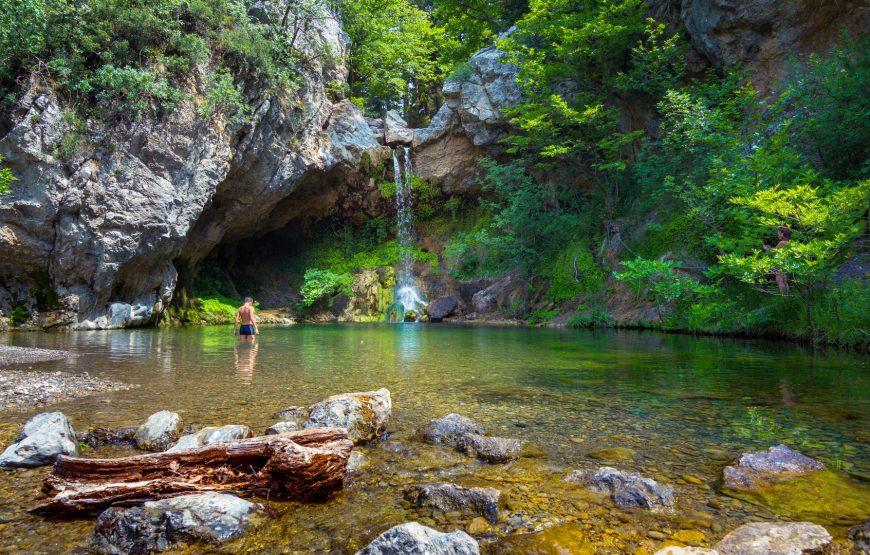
x=306 y=465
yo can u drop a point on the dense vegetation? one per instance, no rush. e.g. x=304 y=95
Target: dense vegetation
x=682 y=217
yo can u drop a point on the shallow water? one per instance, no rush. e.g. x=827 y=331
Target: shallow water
x=677 y=406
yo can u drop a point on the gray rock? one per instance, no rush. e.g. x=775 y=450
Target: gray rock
x=507 y=291
x=364 y=415
x=160 y=525
x=210 y=435
x=45 y=436
x=470 y=502
x=413 y=538
x=627 y=489
x=396 y=130
x=356 y=462
x=675 y=550
x=449 y=430
x=860 y=534
x=761 y=468
x=442 y=307
x=282 y=427
x=161 y=430
x=292 y=414
x=492 y=449
x=775 y=538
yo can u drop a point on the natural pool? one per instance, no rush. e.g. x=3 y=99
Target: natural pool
x=677 y=408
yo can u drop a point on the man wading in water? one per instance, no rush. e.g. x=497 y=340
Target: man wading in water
x=245 y=314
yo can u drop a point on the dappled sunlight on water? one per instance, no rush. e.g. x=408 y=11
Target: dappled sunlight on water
x=669 y=406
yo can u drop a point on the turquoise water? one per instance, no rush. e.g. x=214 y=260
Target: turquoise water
x=682 y=405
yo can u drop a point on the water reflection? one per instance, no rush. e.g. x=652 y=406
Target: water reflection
x=246 y=357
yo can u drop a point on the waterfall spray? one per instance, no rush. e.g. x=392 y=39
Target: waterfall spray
x=408 y=295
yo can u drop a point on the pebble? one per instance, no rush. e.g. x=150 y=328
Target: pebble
x=478 y=526
x=692 y=479
x=25 y=390
x=656 y=535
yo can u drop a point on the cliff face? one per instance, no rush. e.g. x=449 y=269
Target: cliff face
x=109 y=230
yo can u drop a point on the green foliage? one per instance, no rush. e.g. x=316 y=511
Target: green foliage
x=19 y=315
x=217 y=309
x=657 y=62
x=574 y=271
x=323 y=283
x=540 y=315
x=223 y=97
x=595 y=318
x=72 y=141
x=6 y=179
x=659 y=281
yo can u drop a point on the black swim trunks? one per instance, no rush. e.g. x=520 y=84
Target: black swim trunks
x=246 y=329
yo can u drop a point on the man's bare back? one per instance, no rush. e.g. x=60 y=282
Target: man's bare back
x=245 y=316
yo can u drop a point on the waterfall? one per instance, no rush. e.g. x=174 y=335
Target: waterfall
x=408 y=295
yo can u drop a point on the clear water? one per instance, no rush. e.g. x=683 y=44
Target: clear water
x=683 y=405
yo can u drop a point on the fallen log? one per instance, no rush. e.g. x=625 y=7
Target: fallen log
x=305 y=465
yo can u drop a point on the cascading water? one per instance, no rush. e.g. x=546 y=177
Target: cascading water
x=408 y=295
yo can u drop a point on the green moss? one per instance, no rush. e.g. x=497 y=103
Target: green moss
x=19 y=315
x=574 y=271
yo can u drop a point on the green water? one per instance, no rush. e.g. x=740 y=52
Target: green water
x=675 y=405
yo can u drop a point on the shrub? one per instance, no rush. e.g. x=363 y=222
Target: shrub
x=217 y=309
x=596 y=318
x=19 y=315
x=323 y=283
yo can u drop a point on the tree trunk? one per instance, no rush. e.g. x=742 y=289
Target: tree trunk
x=306 y=465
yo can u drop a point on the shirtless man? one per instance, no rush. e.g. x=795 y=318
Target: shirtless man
x=245 y=314
x=784 y=236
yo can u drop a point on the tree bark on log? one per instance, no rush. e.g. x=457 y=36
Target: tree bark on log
x=306 y=465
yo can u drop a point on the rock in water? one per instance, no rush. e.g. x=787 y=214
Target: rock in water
x=413 y=538
x=160 y=431
x=492 y=449
x=282 y=427
x=449 y=430
x=627 y=489
x=101 y=437
x=673 y=550
x=450 y=497
x=761 y=468
x=211 y=434
x=442 y=307
x=158 y=525
x=363 y=415
x=292 y=414
x=43 y=438
x=860 y=534
x=775 y=538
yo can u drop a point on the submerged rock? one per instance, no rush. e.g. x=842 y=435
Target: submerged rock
x=627 y=489
x=674 y=550
x=492 y=449
x=101 y=437
x=356 y=461
x=775 y=538
x=762 y=468
x=282 y=427
x=413 y=538
x=210 y=435
x=450 y=497
x=364 y=415
x=159 y=525
x=860 y=534
x=160 y=431
x=45 y=436
x=292 y=414
x=449 y=430
x=613 y=454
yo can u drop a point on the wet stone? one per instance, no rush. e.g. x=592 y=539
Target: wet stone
x=210 y=435
x=492 y=449
x=775 y=538
x=160 y=525
x=449 y=430
x=282 y=427
x=292 y=414
x=364 y=415
x=758 y=469
x=627 y=489
x=679 y=550
x=413 y=538
x=613 y=454
x=96 y=438
x=860 y=534
x=468 y=502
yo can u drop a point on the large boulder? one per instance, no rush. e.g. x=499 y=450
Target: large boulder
x=470 y=502
x=627 y=489
x=449 y=430
x=161 y=430
x=364 y=415
x=413 y=538
x=492 y=449
x=775 y=538
x=160 y=525
x=210 y=435
x=758 y=469
x=45 y=436
x=442 y=307
x=396 y=130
